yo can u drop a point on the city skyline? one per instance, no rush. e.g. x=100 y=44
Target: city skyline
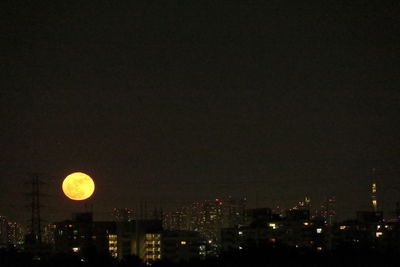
x=183 y=102
x=144 y=208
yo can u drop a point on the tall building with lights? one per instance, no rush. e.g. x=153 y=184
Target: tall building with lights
x=139 y=237
x=234 y=212
x=207 y=218
x=329 y=210
x=374 y=200
x=15 y=234
x=123 y=214
x=11 y=233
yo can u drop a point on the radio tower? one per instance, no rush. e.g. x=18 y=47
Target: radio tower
x=373 y=191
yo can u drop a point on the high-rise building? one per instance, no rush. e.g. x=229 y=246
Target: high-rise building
x=234 y=212
x=180 y=246
x=152 y=247
x=3 y=232
x=123 y=214
x=82 y=235
x=15 y=234
x=48 y=236
x=11 y=233
x=141 y=238
x=207 y=218
x=328 y=210
x=183 y=218
x=258 y=216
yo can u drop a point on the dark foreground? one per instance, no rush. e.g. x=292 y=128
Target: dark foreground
x=255 y=257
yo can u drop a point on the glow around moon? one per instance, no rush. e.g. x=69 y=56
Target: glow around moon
x=78 y=186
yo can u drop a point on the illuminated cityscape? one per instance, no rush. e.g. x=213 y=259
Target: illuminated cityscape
x=199 y=133
x=209 y=229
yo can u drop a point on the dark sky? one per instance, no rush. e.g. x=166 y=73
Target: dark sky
x=181 y=101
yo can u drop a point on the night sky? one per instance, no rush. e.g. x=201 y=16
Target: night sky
x=182 y=101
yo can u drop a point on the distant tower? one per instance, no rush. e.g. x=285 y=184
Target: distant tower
x=36 y=229
x=374 y=192
x=373 y=196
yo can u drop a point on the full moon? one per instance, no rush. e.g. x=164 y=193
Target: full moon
x=78 y=186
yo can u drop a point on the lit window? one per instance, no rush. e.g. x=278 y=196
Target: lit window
x=378 y=234
x=319 y=230
x=306 y=223
x=183 y=242
x=272 y=225
x=112 y=245
x=319 y=248
x=240 y=233
x=342 y=227
x=75 y=249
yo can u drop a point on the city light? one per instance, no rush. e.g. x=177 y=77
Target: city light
x=113 y=245
x=272 y=225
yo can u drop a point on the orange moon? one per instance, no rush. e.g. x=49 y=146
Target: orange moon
x=78 y=186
